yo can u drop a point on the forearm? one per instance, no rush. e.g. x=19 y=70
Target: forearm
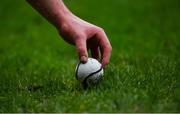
x=53 y=10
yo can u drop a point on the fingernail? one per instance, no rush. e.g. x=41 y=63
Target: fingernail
x=83 y=59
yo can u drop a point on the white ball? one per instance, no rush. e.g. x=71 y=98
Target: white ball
x=89 y=73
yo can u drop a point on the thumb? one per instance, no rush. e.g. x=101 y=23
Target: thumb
x=82 y=50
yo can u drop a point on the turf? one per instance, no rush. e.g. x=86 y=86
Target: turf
x=37 y=66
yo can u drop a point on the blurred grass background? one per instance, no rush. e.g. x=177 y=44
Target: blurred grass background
x=37 y=66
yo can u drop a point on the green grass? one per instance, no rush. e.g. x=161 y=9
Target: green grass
x=37 y=67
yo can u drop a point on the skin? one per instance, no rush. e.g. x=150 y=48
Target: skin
x=75 y=31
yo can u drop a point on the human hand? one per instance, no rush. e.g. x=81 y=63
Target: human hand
x=75 y=31
x=86 y=36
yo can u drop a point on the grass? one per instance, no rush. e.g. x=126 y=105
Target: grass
x=37 y=67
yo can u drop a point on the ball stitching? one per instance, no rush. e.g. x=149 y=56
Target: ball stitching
x=85 y=80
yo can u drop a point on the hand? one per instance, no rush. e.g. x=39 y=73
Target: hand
x=86 y=36
x=75 y=31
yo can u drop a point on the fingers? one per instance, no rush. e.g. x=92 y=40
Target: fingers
x=95 y=52
x=101 y=44
x=105 y=47
x=82 y=49
x=106 y=54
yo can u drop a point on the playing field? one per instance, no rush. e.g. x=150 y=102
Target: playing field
x=37 y=68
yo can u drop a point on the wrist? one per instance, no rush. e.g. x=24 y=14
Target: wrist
x=63 y=20
x=62 y=16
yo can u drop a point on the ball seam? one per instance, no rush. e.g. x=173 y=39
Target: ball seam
x=85 y=80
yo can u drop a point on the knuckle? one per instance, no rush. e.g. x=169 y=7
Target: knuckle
x=79 y=39
x=81 y=35
x=80 y=49
x=64 y=28
x=100 y=30
x=109 y=48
